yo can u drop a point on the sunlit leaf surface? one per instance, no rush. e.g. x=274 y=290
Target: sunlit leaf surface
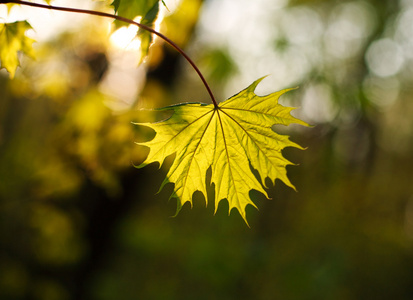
x=12 y=41
x=230 y=139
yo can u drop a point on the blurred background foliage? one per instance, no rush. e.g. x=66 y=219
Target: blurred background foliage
x=77 y=221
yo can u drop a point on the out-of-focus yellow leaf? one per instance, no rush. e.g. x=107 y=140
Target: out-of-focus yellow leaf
x=184 y=17
x=13 y=39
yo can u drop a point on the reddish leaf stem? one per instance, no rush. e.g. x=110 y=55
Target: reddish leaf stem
x=119 y=18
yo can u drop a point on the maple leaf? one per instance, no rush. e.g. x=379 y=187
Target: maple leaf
x=12 y=41
x=229 y=138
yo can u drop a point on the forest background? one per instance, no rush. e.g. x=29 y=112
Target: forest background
x=78 y=221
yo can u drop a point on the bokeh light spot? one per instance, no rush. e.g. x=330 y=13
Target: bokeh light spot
x=385 y=58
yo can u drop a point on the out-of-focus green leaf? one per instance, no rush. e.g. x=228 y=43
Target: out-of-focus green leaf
x=145 y=36
x=131 y=9
x=229 y=139
x=219 y=65
x=116 y=4
x=148 y=10
x=12 y=41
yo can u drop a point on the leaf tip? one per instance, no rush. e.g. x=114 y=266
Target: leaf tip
x=254 y=85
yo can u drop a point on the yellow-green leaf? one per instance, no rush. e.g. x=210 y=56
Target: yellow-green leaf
x=230 y=139
x=13 y=39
